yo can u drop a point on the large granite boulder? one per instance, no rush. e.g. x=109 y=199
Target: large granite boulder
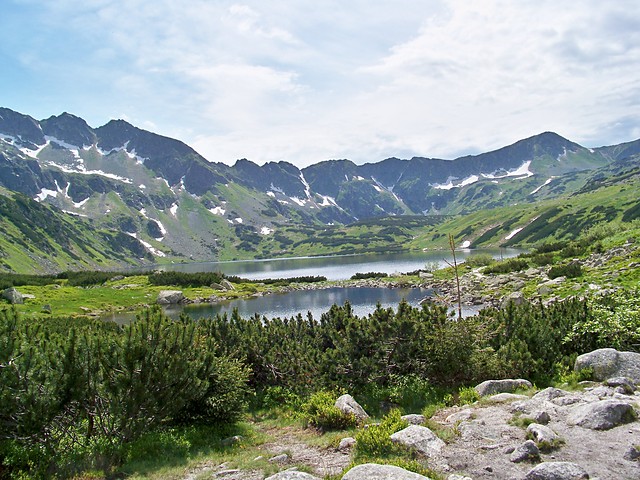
x=170 y=297
x=419 y=439
x=13 y=296
x=609 y=362
x=491 y=387
x=373 y=471
x=601 y=415
x=347 y=404
x=556 y=471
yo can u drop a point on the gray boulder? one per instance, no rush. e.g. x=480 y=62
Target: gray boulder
x=601 y=415
x=543 y=435
x=170 y=297
x=226 y=284
x=373 y=471
x=556 y=471
x=347 y=404
x=517 y=298
x=292 y=475
x=623 y=382
x=420 y=439
x=528 y=451
x=491 y=387
x=13 y=296
x=608 y=362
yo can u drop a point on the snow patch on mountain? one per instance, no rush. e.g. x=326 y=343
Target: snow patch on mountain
x=174 y=209
x=81 y=203
x=328 y=201
x=307 y=188
x=298 y=201
x=154 y=251
x=266 y=231
x=44 y=193
x=522 y=171
x=271 y=194
x=217 y=211
x=449 y=184
x=536 y=190
x=513 y=233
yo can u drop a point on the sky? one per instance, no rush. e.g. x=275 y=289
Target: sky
x=306 y=81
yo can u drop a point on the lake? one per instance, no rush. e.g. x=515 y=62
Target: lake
x=337 y=267
x=362 y=300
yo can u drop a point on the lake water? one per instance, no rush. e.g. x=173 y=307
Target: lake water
x=362 y=300
x=337 y=267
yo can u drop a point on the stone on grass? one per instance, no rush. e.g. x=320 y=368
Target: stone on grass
x=414 y=419
x=346 y=443
x=13 y=296
x=506 y=397
x=540 y=416
x=420 y=439
x=526 y=452
x=557 y=471
x=608 y=362
x=491 y=387
x=227 y=442
x=170 y=297
x=461 y=416
x=292 y=475
x=347 y=404
x=602 y=415
x=373 y=471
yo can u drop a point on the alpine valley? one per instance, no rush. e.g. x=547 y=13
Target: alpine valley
x=75 y=197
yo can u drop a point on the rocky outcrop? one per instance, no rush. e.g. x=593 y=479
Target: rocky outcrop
x=170 y=297
x=608 y=362
x=347 y=405
x=372 y=471
x=419 y=439
x=491 y=387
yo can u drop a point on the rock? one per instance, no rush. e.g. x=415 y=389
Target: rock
x=170 y=297
x=517 y=298
x=461 y=416
x=491 y=387
x=540 y=416
x=556 y=471
x=528 y=451
x=544 y=437
x=455 y=476
x=216 y=286
x=601 y=415
x=624 y=382
x=426 y=275
x=117 y=278
x=13 y=296
x=226 y=284
x=632 y=454
x=419 y=438
x=227 y=442
x=347 y=404
x=346 y=443
x=292 y=475
x=414 y=419
x=282 y=458
x=506 y=397
x=373 y=471
x=608 y=362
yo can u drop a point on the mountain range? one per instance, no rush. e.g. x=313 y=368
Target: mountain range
x=159 y=200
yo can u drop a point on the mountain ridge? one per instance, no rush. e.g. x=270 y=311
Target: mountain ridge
x=164 y=193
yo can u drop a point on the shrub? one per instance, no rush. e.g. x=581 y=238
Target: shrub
x=480 y=260
x=467 y=395
x=570 y=270
x=507 y=266
x=375 y=441
x=321 y=412
x=362 y=276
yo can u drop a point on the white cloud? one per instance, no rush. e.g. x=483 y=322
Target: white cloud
x=307 y=81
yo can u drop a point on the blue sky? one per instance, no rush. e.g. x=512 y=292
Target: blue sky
x=306 y=81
